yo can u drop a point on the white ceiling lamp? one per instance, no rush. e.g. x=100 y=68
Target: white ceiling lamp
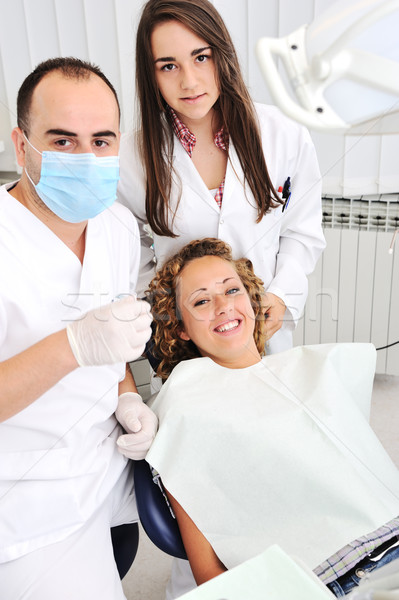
x=343 y=68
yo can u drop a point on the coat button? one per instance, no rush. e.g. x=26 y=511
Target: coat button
x=221 y=221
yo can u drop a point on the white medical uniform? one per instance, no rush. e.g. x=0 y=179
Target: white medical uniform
x=278 y=452
x=283 y=247
x=59 y=465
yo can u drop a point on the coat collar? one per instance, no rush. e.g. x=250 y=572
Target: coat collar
x=189 y=176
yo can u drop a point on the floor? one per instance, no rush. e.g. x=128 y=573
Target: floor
x=147 y=578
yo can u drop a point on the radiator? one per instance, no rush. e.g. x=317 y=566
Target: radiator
x=354 y=290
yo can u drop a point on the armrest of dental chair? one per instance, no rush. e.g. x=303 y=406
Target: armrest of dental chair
x=154 y=512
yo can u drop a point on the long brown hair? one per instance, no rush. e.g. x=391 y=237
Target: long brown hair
x=235 y=106
x=168 y=346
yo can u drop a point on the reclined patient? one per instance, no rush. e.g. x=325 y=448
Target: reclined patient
x=258 y=451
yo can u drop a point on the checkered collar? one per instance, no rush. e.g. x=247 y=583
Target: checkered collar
x=188 y=139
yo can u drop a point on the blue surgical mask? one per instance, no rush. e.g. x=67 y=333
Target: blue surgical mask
x=76 y=187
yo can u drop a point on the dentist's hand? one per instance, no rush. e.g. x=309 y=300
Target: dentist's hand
x=116 y=332
x=140 y=423
x=274 y=310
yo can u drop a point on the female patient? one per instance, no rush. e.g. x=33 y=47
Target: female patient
x=255 y=451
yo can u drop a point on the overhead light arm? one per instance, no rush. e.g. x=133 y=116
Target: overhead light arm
x=342 y=61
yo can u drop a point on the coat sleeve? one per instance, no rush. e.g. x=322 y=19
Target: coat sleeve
x=301 y=239
x=131 y=193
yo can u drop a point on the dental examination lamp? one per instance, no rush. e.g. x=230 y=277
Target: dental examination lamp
x=343 y=69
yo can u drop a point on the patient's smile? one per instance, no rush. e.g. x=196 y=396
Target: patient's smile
x=228 y=326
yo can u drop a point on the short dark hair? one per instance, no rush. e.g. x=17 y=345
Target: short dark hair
x=70 y=67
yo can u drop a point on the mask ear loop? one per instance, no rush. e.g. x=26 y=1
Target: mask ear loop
x=31 y=145
x=36 y=150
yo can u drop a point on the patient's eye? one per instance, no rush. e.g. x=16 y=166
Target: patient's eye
x=233 y=290
x=200 y=302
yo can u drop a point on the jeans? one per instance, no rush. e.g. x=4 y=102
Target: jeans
x=350 y=580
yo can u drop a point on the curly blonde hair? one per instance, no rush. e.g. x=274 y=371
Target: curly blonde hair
x=168 y=347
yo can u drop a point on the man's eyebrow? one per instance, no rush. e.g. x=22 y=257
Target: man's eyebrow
x=107 y=133
x=173 y=59
x=61 y=132
x=64 y=132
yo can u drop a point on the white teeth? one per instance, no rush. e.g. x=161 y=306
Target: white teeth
x=228 y=326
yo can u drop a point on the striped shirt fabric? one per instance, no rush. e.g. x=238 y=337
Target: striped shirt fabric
x=188 y=141
x=345 y=559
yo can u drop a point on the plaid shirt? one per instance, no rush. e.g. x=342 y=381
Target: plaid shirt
x=188 y=141
x=345 y=559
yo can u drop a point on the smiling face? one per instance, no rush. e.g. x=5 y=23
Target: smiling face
x=184 y=71
x=216 y=312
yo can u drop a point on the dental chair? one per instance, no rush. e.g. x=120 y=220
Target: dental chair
x=125 y=542
x=155 y=513
x=156 y=518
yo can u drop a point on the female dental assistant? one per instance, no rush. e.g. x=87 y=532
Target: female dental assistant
x=197 y=166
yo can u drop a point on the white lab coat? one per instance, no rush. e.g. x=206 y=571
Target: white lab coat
x=58 y=457
x=283 y=247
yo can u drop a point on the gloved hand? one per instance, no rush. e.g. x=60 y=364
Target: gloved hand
x=116 y=332
x=140 y=423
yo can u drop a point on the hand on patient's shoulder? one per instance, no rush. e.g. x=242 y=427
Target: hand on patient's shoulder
x=116 y=332
x=139 y=422
x=274 y=309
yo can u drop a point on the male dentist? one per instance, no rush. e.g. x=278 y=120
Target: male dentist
x=69 y=323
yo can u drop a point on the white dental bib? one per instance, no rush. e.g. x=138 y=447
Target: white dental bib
x=277 y=453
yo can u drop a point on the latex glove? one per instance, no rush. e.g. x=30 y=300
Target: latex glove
x=140 y=423
x=116 y=332
x=274 y=309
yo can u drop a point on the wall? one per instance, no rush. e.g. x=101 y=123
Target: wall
x=103 y=31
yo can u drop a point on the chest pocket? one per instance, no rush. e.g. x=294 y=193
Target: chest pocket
x=271 y=228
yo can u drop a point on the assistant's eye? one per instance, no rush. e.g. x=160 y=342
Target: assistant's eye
x=168 y=67
x=202 y=58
